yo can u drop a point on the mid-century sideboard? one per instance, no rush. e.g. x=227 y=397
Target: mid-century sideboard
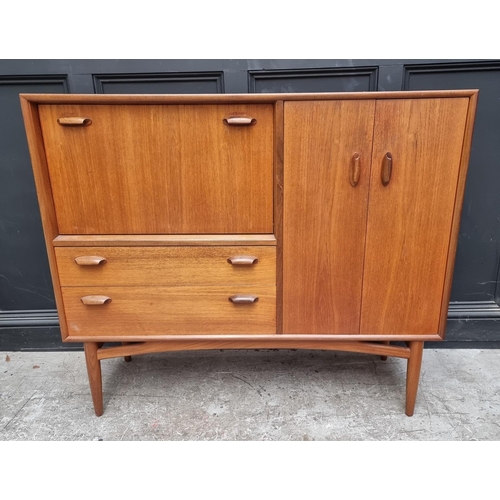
x=317 y=221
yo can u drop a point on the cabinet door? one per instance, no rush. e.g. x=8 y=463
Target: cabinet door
x=324 y=219
x=156 y=169
x=409 y=219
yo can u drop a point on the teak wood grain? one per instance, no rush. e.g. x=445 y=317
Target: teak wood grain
x=95 y=376
x=409 y=220
x=129 y=266
x=45 y=200
x=413 y=375
x=160 y=169
x=237 y=98
x=164 y=240
x=179 y=310
x=255 y=342
x=462 y=176
x=278 y=208
x=324 y=220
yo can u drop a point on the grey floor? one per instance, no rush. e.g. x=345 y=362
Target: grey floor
x=250 y=395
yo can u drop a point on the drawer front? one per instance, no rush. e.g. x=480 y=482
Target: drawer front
x=160 y=169
x=129 y=266
x=155 y=311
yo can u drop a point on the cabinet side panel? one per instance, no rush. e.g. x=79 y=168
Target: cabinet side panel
x=44 y=194
x=410 y=218
x=464 y=165
x=324 y=215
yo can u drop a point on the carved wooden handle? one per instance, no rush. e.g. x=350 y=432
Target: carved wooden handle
x=90 y=260
x=355 y=170
x=386 y=169
x=95 y=300
x=243 y=260
x=74 y=121
x=239 y=120
x=243 y=299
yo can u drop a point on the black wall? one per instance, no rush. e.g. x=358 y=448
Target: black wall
x=28 y=319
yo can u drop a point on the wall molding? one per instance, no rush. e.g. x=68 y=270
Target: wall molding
x=35 y=80
x=412 y=69
x=216 y=77
x=254 y=76
x=29 y=318
x=474 y=310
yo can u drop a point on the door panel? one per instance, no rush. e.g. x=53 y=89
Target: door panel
x=156 y=169
x=409 y=220
x=324 y=215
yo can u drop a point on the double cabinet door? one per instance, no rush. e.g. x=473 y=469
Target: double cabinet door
x=369 y=194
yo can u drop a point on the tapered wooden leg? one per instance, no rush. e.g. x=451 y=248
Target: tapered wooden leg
x=385 y=342
x=413 y=374
x=95 y=378
x=127 y=358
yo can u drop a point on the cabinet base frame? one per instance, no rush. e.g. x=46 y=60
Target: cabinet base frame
x=95 y=352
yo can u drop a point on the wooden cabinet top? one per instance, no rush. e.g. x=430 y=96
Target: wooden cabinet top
x=246 y=98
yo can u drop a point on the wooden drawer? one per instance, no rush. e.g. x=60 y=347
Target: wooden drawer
x=166 y=266
x=155 y=311
x=160 y=169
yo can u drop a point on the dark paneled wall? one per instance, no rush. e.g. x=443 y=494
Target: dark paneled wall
x=27 y=316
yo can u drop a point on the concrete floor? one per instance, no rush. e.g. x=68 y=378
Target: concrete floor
x=250 y=395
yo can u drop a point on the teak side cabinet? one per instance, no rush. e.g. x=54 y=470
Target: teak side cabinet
x=317 y=221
